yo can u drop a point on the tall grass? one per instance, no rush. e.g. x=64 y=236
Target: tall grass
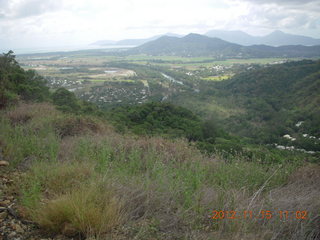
x=91 y=210
x=24 y=143
x=90 y=182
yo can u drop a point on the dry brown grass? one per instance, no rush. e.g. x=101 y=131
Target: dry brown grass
x=64 y=125
x=24 y=112
x=89 y=211
x=59 y=177
x=178 y=150
x=301 y=193
x=77 y=125
x=62 y=177
x=77 y=198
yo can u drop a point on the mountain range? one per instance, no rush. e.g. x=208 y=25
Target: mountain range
x=195 y=45
x=276 y=38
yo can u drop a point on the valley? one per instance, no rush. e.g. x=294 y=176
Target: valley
x=125 y=143
x=84 y=73
x=201 y=84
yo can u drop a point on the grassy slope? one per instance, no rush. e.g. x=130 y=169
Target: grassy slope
x=82 y=175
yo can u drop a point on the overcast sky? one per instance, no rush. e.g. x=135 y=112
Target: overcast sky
x=44 y=23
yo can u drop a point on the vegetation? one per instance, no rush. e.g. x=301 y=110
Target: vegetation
x=197 y=45
x=67 y=102
x=261 y=102
x=16 y=82
x=95 y=182
x=276 y=98
x=159 y=119
x=147 y=177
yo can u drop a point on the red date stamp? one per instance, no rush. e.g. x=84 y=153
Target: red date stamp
x=263 y=214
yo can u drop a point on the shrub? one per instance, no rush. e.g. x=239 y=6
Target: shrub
x=66 y=100
x=76 y=125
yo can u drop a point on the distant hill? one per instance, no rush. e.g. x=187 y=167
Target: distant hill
x=276 y=38
x=200 y=45
x=190 y=45
x=130 y=42
x=237 y=37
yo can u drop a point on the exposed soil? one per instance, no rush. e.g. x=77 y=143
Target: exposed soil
x=13 y=224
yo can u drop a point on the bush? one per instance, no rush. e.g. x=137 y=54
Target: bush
x=76 y=125
x=66 y=100
x=159 y=119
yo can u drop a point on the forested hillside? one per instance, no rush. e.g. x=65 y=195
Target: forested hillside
x=16 y=83
x=200 y=45
x=276 y=98
x=190 y=45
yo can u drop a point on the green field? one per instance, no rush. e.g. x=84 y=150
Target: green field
x=110 y=80
x=217 y=78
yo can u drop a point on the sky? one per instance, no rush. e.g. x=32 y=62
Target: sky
x=56 y=23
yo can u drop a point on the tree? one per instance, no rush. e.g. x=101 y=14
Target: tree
x=66 y=100
x=16 y=83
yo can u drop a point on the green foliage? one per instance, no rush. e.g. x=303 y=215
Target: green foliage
x=275 y=99
x=66 y=100
x=94 y=182
x=196 y=45
x=159 y=119
x=17 y=83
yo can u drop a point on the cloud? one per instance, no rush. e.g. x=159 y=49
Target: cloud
x=52 y=22
x=284 y=2
x=302 y=5
x=287 y=15
x=27 y=8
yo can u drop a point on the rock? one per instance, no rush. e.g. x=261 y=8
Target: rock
x=11 y=235
x=9 y=181
x=60 y=237
x=3 y=215
x=4 y=163
x=4 y=203
x=68 y=230
x=17 y=228
x=12 y=212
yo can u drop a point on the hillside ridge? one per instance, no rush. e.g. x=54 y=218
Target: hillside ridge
x=200 y=45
